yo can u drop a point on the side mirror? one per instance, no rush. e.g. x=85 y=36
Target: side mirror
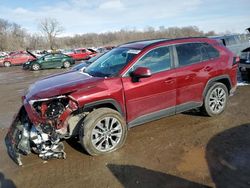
x=140 y=72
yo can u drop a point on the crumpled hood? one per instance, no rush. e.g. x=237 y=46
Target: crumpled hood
x=60 y=84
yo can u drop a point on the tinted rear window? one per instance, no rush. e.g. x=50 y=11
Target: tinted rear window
x=191 y=53
x=211 y=51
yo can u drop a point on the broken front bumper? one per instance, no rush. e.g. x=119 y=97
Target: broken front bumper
x=23 y=137
x=16 y=139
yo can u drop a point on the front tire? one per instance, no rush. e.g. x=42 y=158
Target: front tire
x=215 y=100
x=104 y=130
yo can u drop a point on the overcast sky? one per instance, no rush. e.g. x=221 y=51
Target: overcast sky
x=83 y=16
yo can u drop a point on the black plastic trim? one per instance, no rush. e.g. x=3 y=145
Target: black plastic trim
x=106 y=101
x=187 y=106
x=212 y=80
x=151 y=117
x=164 y=113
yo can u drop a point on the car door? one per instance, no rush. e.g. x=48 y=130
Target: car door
x=14 y=59
x=193 y=70
x=80 y=54
x=56 y=60
x=47 y=61
x=151 y=97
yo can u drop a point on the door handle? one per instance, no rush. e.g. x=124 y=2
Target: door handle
x=208 y=68
x=169 y=81
x=190 y=76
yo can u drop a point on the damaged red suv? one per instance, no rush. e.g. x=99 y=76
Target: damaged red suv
x=132 y=84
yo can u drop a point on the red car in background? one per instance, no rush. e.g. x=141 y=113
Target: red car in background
x=82 y=54
x=17 y=58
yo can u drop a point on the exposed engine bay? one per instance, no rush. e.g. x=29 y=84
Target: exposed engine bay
x=43 y=132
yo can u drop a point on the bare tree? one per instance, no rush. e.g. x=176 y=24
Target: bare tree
x=51 y=28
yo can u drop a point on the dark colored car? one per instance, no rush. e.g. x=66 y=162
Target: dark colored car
x=105 y=49
x=244 y=65
x=53 y=60
x=132 y=84
x=17 y=58
x=86 y=63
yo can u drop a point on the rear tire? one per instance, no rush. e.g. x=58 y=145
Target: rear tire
x=35 y=67
x=7 y=64
x=66 y=64
x=103 y=131
x=215 y=100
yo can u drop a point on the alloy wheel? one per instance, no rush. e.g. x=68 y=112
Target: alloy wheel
x=106 y=134
x=66 y=64
x=217 y=100
x=7 y=64
x=35 y=67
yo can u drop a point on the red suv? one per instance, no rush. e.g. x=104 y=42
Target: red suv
x=132 y=84
x=18 y=58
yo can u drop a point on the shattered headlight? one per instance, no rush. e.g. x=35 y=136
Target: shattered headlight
x=50 y=108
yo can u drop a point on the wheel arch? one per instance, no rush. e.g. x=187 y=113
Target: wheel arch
x=224 y=79
x=106 y=103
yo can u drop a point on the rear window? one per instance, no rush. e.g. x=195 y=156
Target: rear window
x=211 y=51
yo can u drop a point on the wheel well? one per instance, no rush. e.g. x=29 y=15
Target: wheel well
x=109 y=103
x=226 y=82
x=224 y=79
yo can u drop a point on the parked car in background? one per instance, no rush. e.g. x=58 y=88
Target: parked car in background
x=104 y=49
x=244 y=65
x=235 y=43
x=81 y=54
x=52 y=60
x=86 y=63
x=130 y=85
x=2 y=56
x=17 y=58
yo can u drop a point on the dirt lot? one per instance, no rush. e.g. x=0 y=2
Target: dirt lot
x=185 y=150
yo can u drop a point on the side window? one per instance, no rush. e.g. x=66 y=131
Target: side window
x=57 y=55
x=211 y=51
x=191 y=53
x=48 y=57
x=156 y=60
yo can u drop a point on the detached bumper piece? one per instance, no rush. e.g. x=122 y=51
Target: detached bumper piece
x=23 y=137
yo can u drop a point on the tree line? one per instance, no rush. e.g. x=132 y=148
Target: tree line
x=14 y=37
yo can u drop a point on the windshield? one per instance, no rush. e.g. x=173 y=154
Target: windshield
x=111 y=63
x=41 y=57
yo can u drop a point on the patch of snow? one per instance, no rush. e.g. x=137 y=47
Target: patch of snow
x=243 y=83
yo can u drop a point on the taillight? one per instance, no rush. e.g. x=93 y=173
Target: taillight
x=236 y=60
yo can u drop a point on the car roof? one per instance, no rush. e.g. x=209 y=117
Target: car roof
x=142 y=43
x=139 y=45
